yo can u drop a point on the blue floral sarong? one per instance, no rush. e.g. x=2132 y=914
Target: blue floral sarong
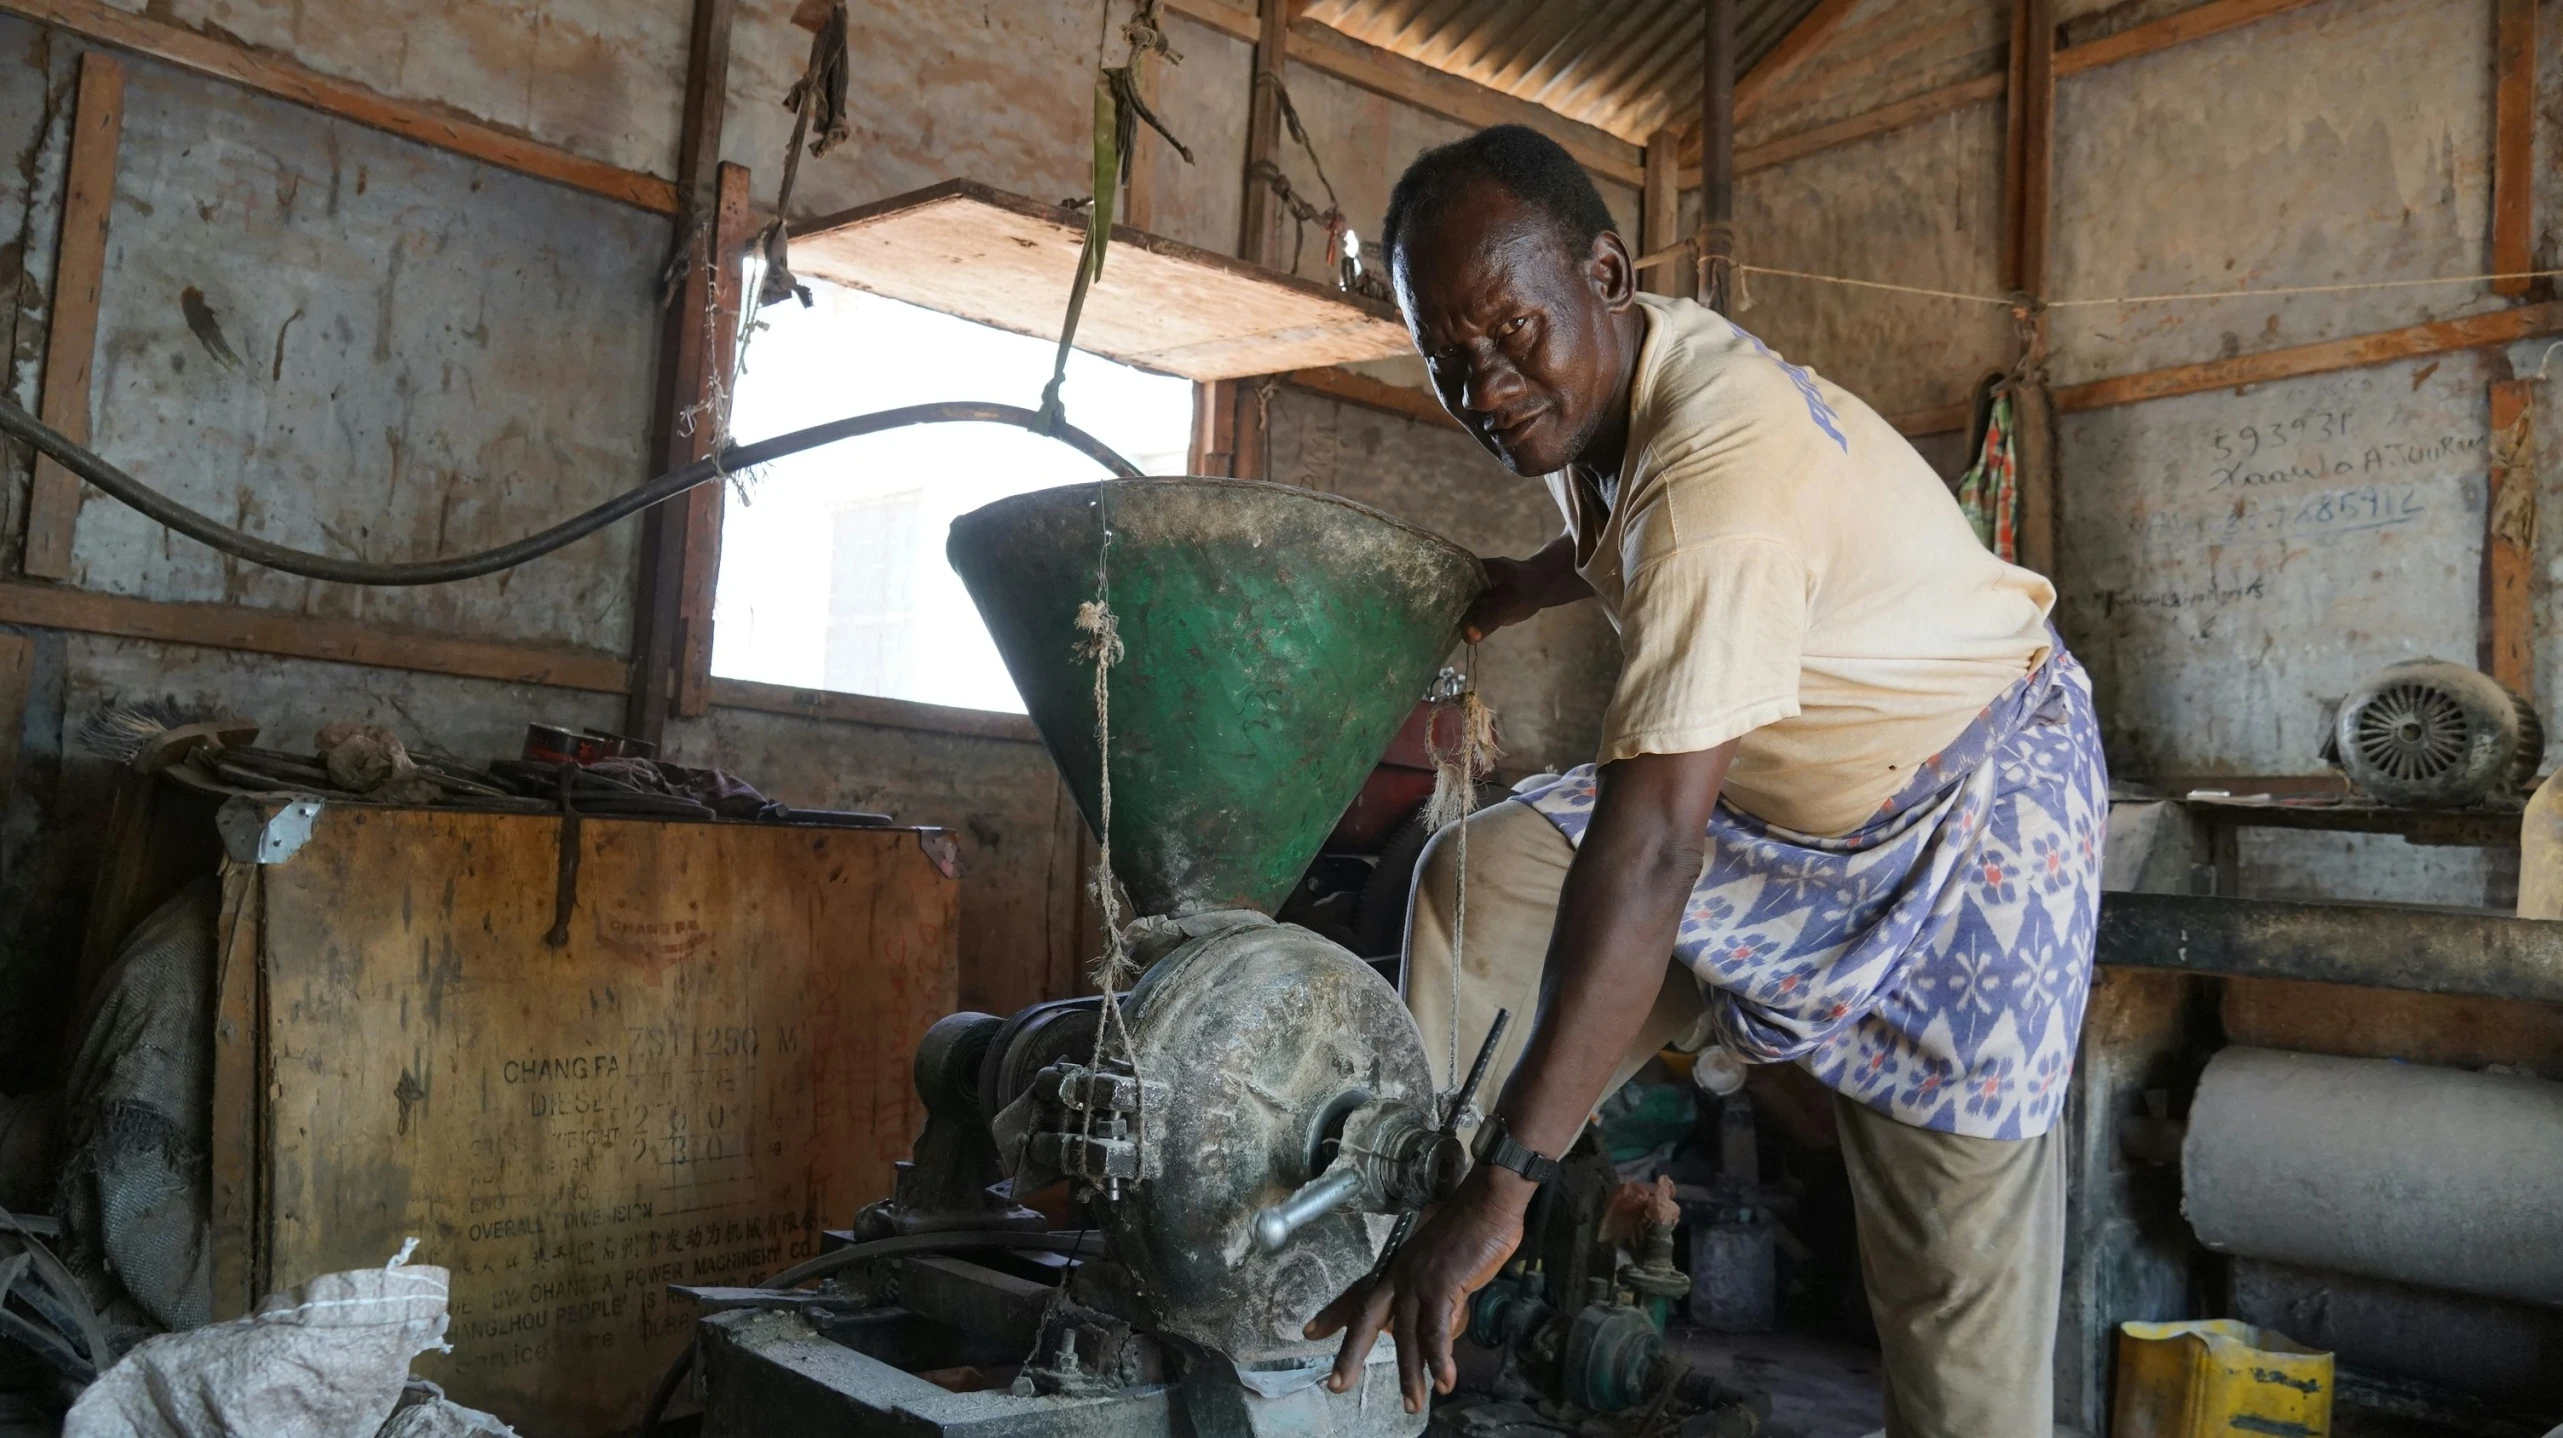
x=1934 y=963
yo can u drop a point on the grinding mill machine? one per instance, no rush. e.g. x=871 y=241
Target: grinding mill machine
x=1242 y=1133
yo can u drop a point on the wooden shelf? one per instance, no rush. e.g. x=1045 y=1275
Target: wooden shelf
x=1003 y=260
x=2462 y=828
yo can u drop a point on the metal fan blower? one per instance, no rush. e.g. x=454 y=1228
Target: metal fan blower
x=2428 y=734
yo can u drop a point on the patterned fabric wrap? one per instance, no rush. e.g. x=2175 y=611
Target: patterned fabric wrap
x=1933 y=964
x=1989 y=493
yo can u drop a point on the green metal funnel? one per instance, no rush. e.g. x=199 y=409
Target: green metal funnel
x=1273 y=639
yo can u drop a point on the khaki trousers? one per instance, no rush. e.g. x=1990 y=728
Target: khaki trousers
x=1961 y=1239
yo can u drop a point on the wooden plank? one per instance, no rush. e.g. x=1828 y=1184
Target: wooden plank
x=2029 y=125
x=1361 y=389
x=2295 y=362
x=2196 y=23
x=733 y=229
x=238 y=1041
x=1660 y=210
x=1260 y=217
x=1252 y=404
x=691 y=366
x=1887 y=118
x=1795 y=48
x=2354 y=352
x=1139 y=192
x=867 y=709
x=1214 y=433
x=1006 y=261
x=17 y=669
x=2028 y=145
x=303 y=636
x=2514 y=148
x=2451 y=1030
x=71 y=340
x=428 y=124
x=1940 y=420
x=714 y=1069
x=707 y=96
x=1438 y=92
x=2509 y=558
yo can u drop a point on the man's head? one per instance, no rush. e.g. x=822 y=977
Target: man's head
x=1518 y=294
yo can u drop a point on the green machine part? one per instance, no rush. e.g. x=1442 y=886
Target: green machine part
x=1273 y=640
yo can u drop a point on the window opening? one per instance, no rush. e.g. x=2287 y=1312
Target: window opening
x=832 y=569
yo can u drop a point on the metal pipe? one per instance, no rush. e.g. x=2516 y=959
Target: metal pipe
x=1315 y=1199
x=133 y=493
x=2384 y=946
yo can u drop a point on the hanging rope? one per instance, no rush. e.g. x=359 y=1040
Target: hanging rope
x=1118 y=111
x=819 y=94
x=1455 y=772
x=1343 y=246
x=1113 y=969
x=1690 y=248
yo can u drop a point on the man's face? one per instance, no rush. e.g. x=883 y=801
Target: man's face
x=1520 y=335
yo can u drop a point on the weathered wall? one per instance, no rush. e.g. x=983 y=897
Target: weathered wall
x=394 y=353
x=397 y=352
x=2229 y=561
x=1919 y=206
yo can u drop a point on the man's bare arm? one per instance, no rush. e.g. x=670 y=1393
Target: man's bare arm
x=1616 y=923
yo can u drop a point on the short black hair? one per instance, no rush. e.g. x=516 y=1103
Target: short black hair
x=1534 y=168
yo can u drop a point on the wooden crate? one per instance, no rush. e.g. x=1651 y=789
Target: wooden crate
x=711 y=1069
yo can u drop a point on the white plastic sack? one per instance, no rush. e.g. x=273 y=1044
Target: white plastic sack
x=326 y=1360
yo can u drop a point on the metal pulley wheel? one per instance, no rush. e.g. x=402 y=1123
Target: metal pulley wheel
x=2434 y=735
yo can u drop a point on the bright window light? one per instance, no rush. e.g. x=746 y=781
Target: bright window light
x=832 y=567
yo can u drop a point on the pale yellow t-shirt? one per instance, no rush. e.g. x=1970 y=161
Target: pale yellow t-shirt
x=1784 y=569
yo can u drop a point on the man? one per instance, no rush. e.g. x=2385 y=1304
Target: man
x=1850 y=782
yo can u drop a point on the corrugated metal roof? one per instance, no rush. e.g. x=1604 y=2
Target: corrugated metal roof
x=1625 y=66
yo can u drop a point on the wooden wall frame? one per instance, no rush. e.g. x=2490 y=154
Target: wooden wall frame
x=428 y=124
x=71 y=335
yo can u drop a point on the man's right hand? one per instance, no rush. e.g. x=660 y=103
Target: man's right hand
x=1516 y=589
x=1512 y=595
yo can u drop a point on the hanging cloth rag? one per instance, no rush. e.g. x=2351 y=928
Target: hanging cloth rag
x=1989 y=492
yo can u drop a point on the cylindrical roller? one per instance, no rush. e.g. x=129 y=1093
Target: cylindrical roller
x=2430 y=1176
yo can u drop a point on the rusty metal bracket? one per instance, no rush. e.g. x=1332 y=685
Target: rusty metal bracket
x=250 y=835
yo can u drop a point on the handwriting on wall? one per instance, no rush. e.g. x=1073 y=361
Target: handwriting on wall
x=2245 y=499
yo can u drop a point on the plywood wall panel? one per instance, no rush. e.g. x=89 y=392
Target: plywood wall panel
x=713 y=1067
x=595 y=77
x=2343 y=143
x=350 y=343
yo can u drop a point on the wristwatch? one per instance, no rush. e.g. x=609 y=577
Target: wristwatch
x=1496 y=1145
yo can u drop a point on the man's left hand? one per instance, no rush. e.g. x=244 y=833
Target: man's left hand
x=1422 y=1301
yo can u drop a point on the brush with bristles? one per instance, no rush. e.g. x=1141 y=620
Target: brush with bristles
x=151 y=734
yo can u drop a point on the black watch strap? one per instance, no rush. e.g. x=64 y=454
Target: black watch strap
x=1496 y=1145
